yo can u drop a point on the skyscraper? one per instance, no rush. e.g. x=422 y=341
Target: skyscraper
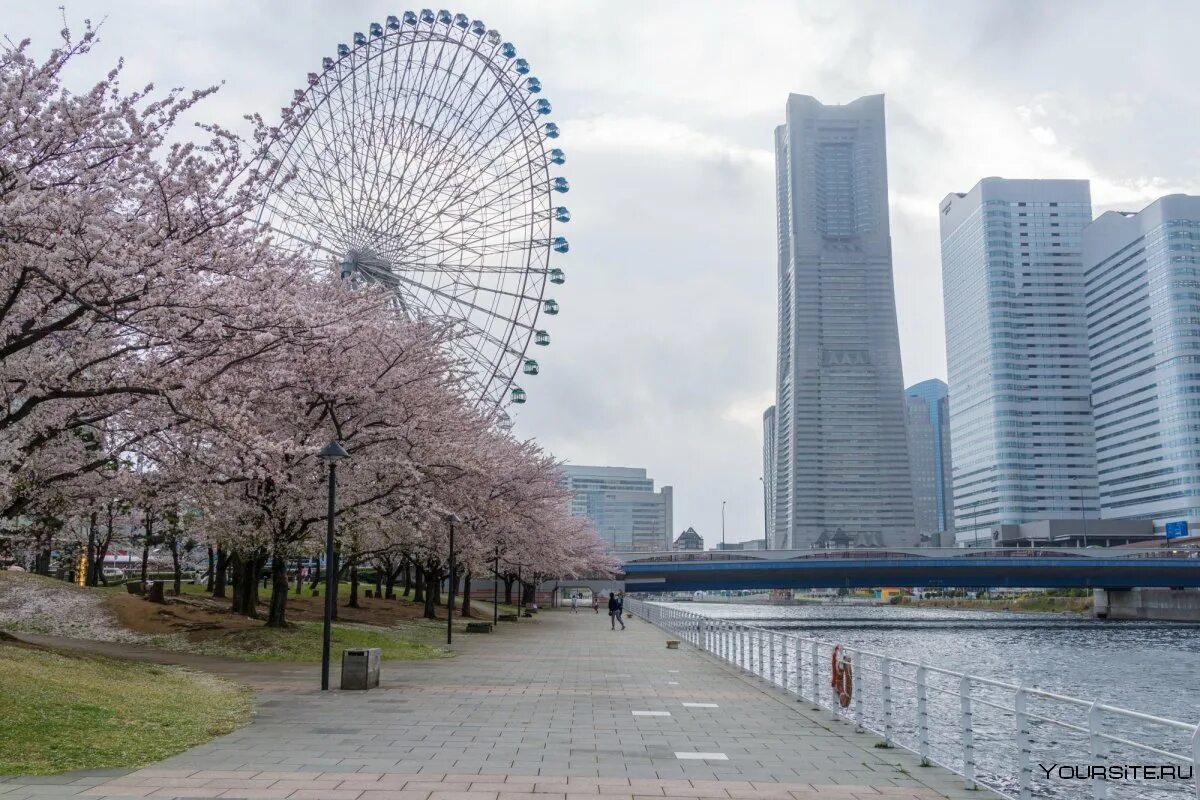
x=768 y=475
x=1017 y=353
x=929 y=458
x=1143 y=322
x=624 y=509
x=841 y=455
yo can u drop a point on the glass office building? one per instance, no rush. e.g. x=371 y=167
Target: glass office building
x=1143 y=318
x=928 y=422
x=1017 y=354
x=623 y=507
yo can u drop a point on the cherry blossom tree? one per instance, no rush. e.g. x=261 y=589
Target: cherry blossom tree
x=159 y=353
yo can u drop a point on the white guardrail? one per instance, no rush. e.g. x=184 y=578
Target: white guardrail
x=1021 y=742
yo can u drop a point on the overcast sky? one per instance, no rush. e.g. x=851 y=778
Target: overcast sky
x=663 y=355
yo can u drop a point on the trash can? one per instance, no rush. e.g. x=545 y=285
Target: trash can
x=360 y=668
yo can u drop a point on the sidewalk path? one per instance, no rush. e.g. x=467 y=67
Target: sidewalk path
x=560 y=708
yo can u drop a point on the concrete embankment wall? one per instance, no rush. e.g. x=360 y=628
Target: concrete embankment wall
x=1174 y=605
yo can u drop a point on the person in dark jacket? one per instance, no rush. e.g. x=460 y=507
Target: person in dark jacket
x=614 y=610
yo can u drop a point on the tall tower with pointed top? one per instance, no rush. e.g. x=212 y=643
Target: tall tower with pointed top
x=841 y=453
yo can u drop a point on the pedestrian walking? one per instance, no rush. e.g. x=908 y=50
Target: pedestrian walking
x=595 y=602
x=575 y=603
x=614 y=611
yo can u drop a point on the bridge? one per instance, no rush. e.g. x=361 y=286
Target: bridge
x=1099 y=568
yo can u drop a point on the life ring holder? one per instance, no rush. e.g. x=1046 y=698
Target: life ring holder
x=842 y=676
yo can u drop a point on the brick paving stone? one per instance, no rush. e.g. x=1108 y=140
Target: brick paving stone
x=541 y=710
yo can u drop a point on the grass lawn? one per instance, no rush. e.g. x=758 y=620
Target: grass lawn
x=301 y=642
x=60 y=712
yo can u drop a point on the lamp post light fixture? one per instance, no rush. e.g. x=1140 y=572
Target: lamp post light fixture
x=330 y=454
x=450 y=520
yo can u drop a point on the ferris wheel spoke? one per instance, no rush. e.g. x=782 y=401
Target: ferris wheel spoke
x=483 y=126
x=510 y=173
x=452 y=297
x=307 y=242
x=512 y=145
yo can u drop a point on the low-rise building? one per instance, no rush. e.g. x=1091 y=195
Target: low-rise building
x=689 y=540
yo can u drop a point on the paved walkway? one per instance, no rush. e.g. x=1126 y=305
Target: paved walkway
x=557 y=709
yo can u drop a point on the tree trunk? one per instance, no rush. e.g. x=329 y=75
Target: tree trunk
x=390 y=584
x=407 y=577
x=431 y=581
x=211 y=566
x=299 y=575
x=103 y=545
x=89 y=565
x=316 y=581
x=353 y=602
x=508 y=587
x=277 y=613
x=236 y=573
x=466 y=597
x=434 y=587
x=419 y=585
x=218 y=589
x=245 y=585
x=256 y=567
x=175 y=565
x=147 y=534
x=379 y=568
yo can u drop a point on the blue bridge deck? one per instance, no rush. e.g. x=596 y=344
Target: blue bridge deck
x=827 y=569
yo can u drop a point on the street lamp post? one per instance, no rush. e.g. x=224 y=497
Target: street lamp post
x=496 y=588
x=330 y=454
x=975 y=521
x=450 y=519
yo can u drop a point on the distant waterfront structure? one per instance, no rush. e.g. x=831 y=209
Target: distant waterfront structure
x=1017 y=354
x=1143 y=321
x=752 y=544
x=624 y=509
x=768 y=468
x=689 y=540
x=840 y=448
x=928 y=422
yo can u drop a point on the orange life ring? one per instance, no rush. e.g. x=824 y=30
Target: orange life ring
x=842 y=676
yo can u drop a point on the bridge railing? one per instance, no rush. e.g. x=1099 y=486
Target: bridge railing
x=1122 y=553
x=1019 y=741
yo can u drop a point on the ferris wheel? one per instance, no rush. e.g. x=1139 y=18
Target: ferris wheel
x=420 y=160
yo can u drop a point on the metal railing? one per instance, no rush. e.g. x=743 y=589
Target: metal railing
x=990 y=732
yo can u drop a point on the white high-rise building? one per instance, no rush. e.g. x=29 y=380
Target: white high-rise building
x=841 y=454
x=1143 y=317
x=768 y=476
x=624 y=509
x=1023 y=447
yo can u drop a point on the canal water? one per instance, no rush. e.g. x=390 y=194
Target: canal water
x=1151 y=667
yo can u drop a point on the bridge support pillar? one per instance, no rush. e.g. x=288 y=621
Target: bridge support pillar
x=1172 y=605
